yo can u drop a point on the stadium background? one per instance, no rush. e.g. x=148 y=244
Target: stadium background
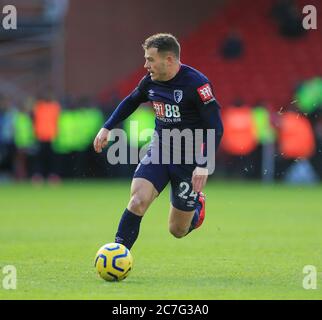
x=62 y=73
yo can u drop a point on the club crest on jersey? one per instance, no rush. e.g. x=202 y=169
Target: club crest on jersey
x=178 y=95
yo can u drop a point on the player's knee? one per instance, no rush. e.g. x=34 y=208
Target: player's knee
x=138 y=204
x=177 y=231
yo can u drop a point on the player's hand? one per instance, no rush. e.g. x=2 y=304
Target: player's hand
x=199 y=179
x=101 y=140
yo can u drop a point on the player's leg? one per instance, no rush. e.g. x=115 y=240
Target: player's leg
x=148 y=182
x=142 y=195
x=183 y=222
x=179 y=221
x=187 y=210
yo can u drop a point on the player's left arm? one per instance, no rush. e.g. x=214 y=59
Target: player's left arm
x=209 y=110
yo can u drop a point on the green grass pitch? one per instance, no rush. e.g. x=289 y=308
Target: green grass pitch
x=254 y=243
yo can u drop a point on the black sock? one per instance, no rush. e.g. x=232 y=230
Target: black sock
x=128 y=229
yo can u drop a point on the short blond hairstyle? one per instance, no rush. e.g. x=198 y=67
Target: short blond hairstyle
x=164 y=42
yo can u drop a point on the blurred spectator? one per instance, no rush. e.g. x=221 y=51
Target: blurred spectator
x=24 y=140
x=7 y=146
x=240 y=138
x=309 y=95
x=233 y=46
x=288 y=18
x=296 y=136
x=46 y=113
x=240 y=142
x=74 y=149
x=316 y=121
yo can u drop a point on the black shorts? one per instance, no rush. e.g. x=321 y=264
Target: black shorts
x=182 y=196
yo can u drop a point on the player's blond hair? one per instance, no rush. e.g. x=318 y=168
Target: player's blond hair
x=164 y=42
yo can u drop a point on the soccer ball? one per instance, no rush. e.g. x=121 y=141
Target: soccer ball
x=113 y=262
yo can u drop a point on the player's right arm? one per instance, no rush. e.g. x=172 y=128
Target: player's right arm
x=123 y=110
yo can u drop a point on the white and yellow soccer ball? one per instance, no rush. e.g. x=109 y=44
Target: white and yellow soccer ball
x=113 y=262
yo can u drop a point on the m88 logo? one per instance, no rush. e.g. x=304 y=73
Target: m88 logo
x=165 y=110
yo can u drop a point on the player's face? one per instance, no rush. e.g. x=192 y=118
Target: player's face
x=157 y=64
